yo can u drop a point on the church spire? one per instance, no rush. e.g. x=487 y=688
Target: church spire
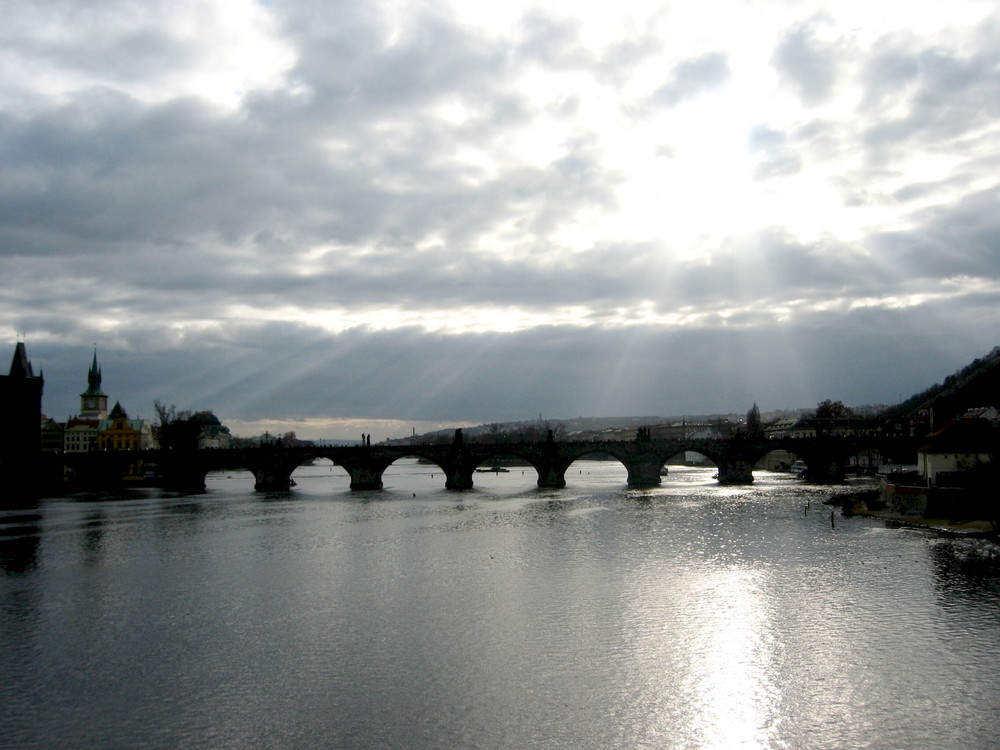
x=94 y=401
x=94 y=379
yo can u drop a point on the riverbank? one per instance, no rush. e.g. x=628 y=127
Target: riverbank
x=868 y=504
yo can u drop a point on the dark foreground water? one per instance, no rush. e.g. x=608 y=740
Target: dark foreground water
x=691 y=616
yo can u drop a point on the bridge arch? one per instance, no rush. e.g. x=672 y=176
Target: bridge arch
x=826 y=459
x=586 y=460
x=778 y=459
x=420 y=455
x=319 y=473
x=642 y=465
x=417 y=464
x=684 y=455
x=505 y=458
x=732 y=469
x=235 y=478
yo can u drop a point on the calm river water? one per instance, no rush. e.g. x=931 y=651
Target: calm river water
x=689 y=616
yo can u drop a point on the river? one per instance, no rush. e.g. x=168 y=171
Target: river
x=595 y=616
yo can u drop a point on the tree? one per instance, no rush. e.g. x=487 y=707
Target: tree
x=290 y=440
x=832 y=410
x=174 y=430
x=754 y=427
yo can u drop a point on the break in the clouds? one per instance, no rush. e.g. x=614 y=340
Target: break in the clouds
x=422 y=213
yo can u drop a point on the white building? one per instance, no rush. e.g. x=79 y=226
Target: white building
x=80 y=435
x=963 y=445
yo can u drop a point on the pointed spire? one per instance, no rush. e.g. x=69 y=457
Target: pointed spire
x=94 y=375
x=20 y=367
x=94 y=379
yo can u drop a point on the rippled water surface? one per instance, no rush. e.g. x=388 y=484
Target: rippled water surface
x=689 y=616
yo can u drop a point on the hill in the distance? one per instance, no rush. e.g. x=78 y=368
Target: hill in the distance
x=976 y=384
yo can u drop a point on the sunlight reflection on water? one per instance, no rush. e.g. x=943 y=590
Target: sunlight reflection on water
x=736 y=700
x=685 y=616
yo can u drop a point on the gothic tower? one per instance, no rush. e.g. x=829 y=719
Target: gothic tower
x=94 y=401
x=20 y=440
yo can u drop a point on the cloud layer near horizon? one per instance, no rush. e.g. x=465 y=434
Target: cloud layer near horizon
x=412 y=211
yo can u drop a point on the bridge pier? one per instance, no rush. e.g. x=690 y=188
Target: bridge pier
x=644 y=473
x=271 y=481
x=271 y=467
x=190 y=483
x=183 y=471
x=365 y=477
x=552 y=479
x=551 y=474
x=739 y=471
x=458 y=479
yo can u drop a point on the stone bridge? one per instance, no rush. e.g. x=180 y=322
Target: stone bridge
x=827 y=458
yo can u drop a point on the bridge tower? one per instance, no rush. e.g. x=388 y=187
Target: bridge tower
x=21 y=438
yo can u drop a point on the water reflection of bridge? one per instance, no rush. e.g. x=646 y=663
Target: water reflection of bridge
x=272 y=465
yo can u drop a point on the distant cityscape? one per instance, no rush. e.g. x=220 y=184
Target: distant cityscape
x=97 y=428
x=957 y=422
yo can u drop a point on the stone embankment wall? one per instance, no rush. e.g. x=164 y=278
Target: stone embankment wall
x=915 y=500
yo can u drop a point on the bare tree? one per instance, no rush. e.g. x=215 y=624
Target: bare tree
x=174 y=429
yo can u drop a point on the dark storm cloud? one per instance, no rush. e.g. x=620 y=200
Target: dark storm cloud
x=104 y=172
x=167 y=196
x=105 y=168
x=961 y=239
x=600 y=278
x=197 y=183
x=282 y=371
x=189 y=208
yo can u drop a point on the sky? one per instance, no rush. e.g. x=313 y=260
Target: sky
x=385 y=216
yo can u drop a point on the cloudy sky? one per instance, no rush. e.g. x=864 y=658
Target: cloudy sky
x=338 y=217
